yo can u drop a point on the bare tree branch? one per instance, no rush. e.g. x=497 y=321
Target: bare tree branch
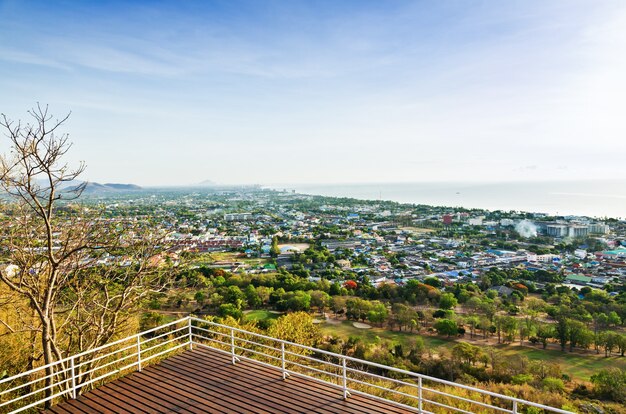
x=68 y=264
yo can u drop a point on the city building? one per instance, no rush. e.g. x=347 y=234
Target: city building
x=598 y=228
x=557 y=230
x=578 y=230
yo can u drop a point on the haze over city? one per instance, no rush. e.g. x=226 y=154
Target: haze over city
x=174 y=93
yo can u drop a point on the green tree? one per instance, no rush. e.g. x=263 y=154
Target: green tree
x=338 y=304
x=600 y=321
x=473 y=304
x=357 y=308
x=294 y=301
x=609 y=342
x=274 y=249
x=467 y=353
x=510 y=327
x=526 y=328
x=432 y=281
x=296 y=327
x=544 y=333
x=578 y=334
x=335 y=289
x=252 y=297
x=621 y=344
x=561 y=331
x=447 y=301
x=320 y=300
x=472 y=322
x=378 y=313
x=446 y=327
x=614 y=319
x=404 y=316
x=264 y=293
x=229 y=309
x=235 y=296
x=200 y=297
x=498 y=322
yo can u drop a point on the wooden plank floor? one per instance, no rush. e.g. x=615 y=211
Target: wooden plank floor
x=204 y=381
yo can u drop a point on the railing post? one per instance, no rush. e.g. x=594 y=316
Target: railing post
x=190 y=336
x=232 y=345
x=514 y=407
x=419 y=394
x=139 y=353
x=73 y=371
x=346 y=393
x=282 y=360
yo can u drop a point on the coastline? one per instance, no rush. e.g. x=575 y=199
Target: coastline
x=606 y=198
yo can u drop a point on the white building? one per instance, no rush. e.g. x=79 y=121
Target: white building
x=557 y=230
x=578 y=230
x=580 y=253
x=543 y=258
x=598 y=228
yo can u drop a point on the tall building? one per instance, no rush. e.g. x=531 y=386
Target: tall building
x=578 y=230
x=598 y=228
x=557 y=230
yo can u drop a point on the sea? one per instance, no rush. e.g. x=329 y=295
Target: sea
x=591 y=198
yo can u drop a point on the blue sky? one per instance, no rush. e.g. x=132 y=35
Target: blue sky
x=171 y=93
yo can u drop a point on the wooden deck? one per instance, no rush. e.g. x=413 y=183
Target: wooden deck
x=204 y=381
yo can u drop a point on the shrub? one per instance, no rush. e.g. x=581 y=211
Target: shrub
x=228 y=309
x=553 y=384
x=439 y=313
x=610 y=383
x=520 y=379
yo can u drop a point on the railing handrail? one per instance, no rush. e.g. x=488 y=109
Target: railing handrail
x=188 y=338
x=100 y=348
x=386 y=367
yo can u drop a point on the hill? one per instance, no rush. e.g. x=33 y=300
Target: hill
x=91 y=188
x=206 y=183
x=123 y=187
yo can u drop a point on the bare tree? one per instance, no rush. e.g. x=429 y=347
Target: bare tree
x=82 y=275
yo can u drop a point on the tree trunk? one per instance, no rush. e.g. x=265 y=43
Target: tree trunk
x=46 y=346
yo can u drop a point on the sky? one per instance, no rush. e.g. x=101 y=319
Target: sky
x=266 y=92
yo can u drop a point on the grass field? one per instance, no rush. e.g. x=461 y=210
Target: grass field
x=577 y=366
x=208 y=258
x=345 y=329
x=418 y=230
x=261 y=315
x=219 y=256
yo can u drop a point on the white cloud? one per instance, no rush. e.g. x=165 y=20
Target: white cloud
x=417 y=92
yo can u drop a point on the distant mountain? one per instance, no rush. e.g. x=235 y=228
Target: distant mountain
x=91 y=188
x=123 y=187
x=206 y=183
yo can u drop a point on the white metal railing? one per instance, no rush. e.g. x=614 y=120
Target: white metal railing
x=416 y=392
x=67 y=377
